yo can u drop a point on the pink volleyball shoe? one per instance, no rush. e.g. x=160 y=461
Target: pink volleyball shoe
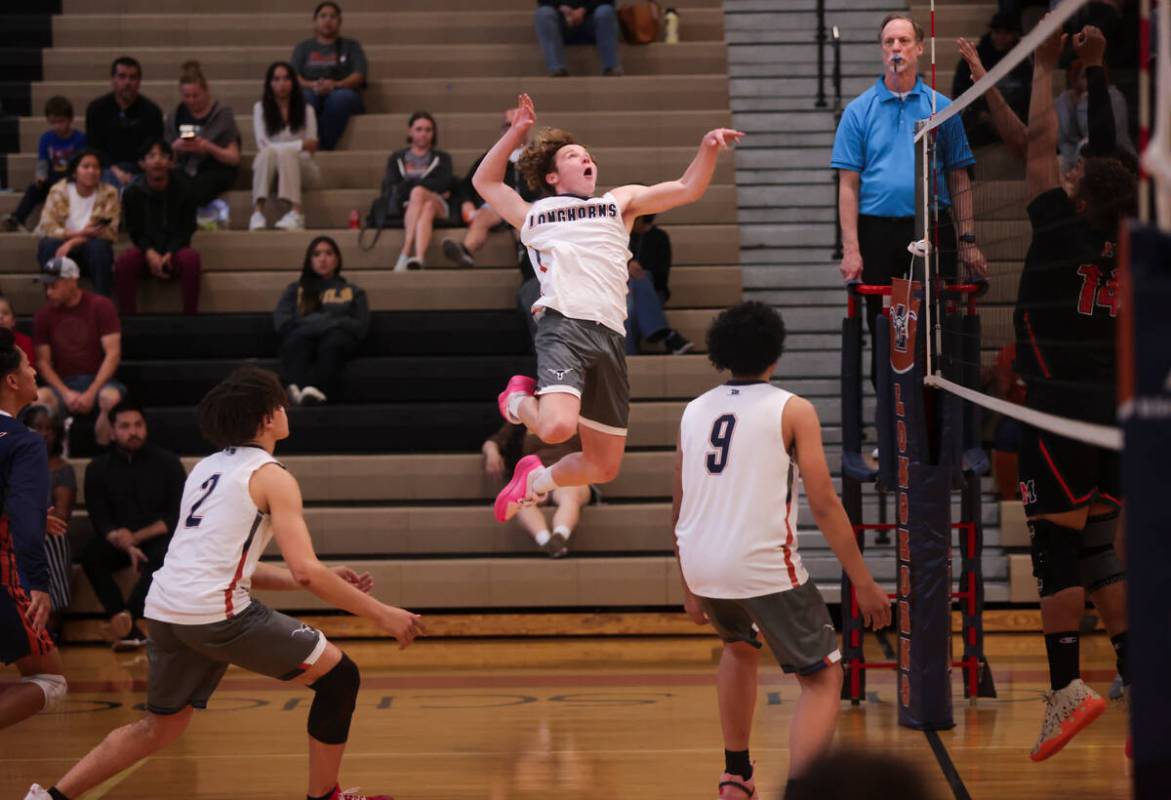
x=518 y=493
x=517 y=384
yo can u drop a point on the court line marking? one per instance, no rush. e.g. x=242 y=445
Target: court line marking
x=947 y=766
x=104 y=788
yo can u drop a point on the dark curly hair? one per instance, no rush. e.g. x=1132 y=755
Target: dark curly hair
x=746 y=339
x=540 y=158
x=233 y=411
x=1110 y=191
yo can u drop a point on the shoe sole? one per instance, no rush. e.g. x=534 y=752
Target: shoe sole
x=517 y=383
x=455 y=253
x=507 y=503
x=1085 y=714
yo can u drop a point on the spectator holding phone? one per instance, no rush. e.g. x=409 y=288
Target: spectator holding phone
x=80 y=221
x=160 y=219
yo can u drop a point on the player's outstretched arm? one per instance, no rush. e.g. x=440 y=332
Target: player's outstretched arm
x=1041 y=171
x=274 y=489
x=639 y=200
x=489 y=178
x=276 y=578
x=802 y=431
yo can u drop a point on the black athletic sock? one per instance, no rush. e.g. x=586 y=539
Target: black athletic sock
x=325 y=796
x=57 y=794
x=736 y=763
x=1119 y=643
x=1064 y=650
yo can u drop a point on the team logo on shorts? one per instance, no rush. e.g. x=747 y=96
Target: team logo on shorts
x=559 y=374
x=307 y=631
x=1028 y=490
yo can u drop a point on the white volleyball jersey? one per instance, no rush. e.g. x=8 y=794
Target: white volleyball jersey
x=579 y=248
x=207 y=573
x=737 y=529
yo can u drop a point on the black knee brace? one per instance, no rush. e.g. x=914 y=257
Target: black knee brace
x=1056 y=551
x=1100 y=565
x=333 y=705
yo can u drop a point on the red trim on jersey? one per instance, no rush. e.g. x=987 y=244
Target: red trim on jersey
x=1036 y=348
x=1057 y=474
x=786 y=548
x=228 y=608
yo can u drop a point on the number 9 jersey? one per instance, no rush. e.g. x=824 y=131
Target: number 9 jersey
x=737 y=529
x=221 y=535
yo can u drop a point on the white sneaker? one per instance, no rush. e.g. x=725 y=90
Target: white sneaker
x=312 y=396
x=35 y=792
x=294 y=393
x=257 y=221
x=292 y=221
x=401 y=264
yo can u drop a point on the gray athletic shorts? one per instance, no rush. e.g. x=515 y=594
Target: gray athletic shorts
x=586 y=359
x=795 y=623
x=187 y=661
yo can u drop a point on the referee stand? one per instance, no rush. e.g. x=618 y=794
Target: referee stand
x=921 y=464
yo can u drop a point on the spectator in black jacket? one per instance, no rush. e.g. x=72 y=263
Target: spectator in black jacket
x=419 y=181
x=119 y=124
x=1004 y=32
x=132 y=494
x=158 y=212
x=646 y=289
x=562 y=22
x=322 y=319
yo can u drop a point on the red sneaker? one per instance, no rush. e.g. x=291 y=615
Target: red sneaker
x=517 y=384
x=1068 y=711
x=518 y=493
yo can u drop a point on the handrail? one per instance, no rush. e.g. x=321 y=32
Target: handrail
x=837 y=80
x=821 y=38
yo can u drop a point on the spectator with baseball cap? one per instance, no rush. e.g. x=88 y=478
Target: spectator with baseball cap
x=78 y=341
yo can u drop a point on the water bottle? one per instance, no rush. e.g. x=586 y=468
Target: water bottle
x=672 y=19
x=355 y=220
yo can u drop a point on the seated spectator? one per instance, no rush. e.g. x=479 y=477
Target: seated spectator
x=419 y=178
x=286 y=139
x=8 y=320
x=55 y=151
x=1004 y=32
x=647 y=291
x=160 y=220
x=322 y=319
x=119 y=124
x=206 y=143
x=78 y=340
x=332 y=70
x=132 y=494
x=480 y=217
x=62 y=499
x=512 y=443
x=80 y=221
x=1073 y=116
x=562 y=22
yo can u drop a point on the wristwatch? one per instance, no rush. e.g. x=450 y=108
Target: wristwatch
x=968 y=238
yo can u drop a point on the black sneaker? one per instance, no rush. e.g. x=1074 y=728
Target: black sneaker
x=10 y=225
x=557 y=546
x=677 y=345
x=455 y=251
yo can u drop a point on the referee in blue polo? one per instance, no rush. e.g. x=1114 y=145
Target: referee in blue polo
x=874 y=153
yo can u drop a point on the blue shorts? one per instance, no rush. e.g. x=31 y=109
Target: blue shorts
x=17 y=637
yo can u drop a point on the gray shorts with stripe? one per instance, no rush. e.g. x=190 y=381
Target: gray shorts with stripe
x=795 y=623
x=588 y=360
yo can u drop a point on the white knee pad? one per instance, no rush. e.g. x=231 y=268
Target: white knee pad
x=54 y=687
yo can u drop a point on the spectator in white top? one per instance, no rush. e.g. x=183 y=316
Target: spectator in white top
x=285 y=127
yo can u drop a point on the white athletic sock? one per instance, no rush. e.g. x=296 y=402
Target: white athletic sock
x=542 y=538
x=564 y=531
x=514 y=401
x=543 y=482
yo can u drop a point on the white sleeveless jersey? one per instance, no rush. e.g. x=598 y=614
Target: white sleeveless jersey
x=207 y=573
x=579 y=248
x=737 y=529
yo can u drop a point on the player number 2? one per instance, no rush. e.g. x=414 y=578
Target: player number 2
x=208 y=487
x=721 y=439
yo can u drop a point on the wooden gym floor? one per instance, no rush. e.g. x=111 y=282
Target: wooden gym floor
x=569 y=718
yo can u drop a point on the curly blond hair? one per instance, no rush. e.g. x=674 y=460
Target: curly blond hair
x=540 y=158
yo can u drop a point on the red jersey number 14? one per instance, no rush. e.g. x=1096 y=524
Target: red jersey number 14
x=1098 y=291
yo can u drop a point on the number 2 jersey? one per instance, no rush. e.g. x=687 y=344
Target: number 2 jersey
x=579 y=248
x=1066 y=314
x=737 y=529
x=207 y=574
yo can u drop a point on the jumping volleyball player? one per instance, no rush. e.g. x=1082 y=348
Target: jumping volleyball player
x=200 y=611
x=741 y=448
x=578 y=247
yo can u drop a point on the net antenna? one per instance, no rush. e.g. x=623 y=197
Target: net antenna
x=1157 y=158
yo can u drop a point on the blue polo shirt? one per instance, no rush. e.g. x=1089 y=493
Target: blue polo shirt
x=876 y=138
